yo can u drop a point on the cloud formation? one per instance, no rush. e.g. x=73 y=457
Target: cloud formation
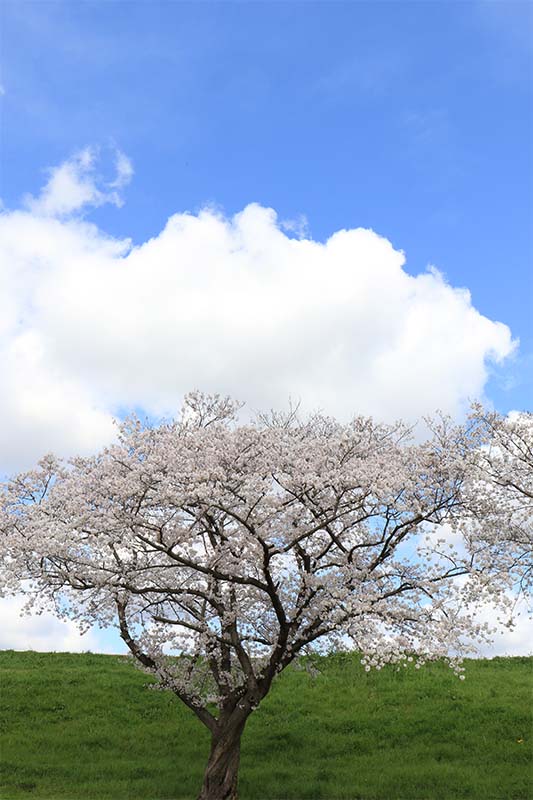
x=75 y=184
x=91 y=326
x=513 y=641
x=46 y=633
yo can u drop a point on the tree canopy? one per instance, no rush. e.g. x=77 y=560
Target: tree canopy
x=226 y=550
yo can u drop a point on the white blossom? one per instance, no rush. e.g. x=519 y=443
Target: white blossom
x=228 y=551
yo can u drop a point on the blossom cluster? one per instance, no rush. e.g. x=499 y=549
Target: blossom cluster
x=225 y=551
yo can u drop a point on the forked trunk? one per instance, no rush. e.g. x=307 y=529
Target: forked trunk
x=221 y=773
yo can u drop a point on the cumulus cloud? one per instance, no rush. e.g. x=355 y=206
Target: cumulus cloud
x=42 y=408
x=45 y=633
x=75 y=184
x=512 y=641
x=91 y=325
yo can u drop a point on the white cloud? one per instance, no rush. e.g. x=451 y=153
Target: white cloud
x=75 y=184
x=45 y=633
x=90 y=325
x=514 y=641
x=124 y=169
x=42 y=408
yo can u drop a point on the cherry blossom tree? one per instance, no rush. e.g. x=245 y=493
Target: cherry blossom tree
x=226 y=551
x=502 y=493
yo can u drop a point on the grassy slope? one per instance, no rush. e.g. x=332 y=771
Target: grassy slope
x=85 y=726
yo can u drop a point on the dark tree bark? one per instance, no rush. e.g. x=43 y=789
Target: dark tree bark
x=221 y=773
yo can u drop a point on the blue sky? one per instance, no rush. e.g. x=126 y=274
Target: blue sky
x=412 y=119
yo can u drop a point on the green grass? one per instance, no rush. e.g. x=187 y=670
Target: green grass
x=85 y=726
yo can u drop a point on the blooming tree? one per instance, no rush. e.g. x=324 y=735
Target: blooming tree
x=502 y=494
x=226 y=550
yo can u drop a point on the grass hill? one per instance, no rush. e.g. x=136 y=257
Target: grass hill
x=84 y=726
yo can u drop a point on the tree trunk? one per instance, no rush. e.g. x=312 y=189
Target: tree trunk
x=221 y=773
